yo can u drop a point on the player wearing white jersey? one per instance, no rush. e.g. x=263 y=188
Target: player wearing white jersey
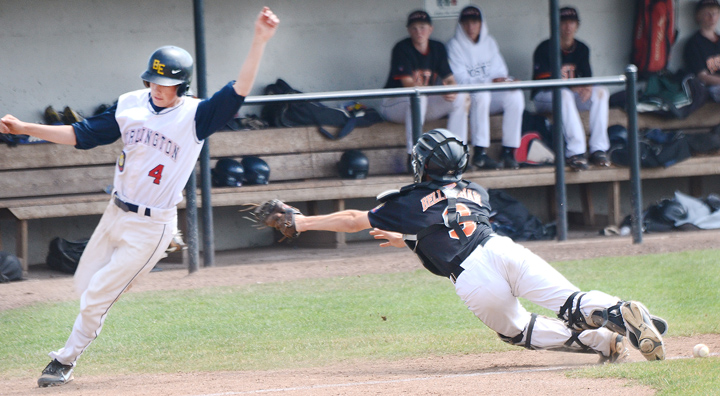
x=163 y=131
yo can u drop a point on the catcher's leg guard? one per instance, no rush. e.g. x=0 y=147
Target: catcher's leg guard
x=546 y=332
x=610 y=317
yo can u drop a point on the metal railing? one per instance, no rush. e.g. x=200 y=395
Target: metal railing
x=628 y=79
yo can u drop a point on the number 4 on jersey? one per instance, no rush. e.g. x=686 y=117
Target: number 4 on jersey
x=156 y=173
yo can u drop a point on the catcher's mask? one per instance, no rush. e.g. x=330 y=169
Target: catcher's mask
x=440 y=156
x=170 y=66
x=227 y=172
x=257 y=171
x=353 y=165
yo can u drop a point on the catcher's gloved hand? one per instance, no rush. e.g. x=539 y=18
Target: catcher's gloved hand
x=278 y=215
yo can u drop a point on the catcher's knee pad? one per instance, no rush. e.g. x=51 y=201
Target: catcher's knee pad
x=525 y=338
x=608 y=317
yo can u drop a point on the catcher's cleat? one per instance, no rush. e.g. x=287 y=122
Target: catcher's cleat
x=641 y=332
x=618 y=351
x=55 y=374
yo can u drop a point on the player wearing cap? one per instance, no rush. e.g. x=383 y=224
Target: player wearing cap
x=420 y=61
x=163 y=131
x=575 y=63
x=476 y=59
x=444 y=220
x=702 y=50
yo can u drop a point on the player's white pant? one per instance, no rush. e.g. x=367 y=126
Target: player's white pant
x=599 y=107
x=499 y=273
x=432 y=108
x=123 y=247
x=486 y=103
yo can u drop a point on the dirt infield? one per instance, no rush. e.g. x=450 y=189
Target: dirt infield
x=518 y=372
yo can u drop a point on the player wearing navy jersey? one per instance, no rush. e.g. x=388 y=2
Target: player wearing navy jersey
x=702 y=50
x=575 y=63
x=163 y=131
x=444 y=220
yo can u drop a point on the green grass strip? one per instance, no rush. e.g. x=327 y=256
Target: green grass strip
x=323 y=321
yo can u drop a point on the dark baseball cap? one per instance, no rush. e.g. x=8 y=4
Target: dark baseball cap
x=706 y=3
x=569 y=13
x=418 y=16
x=470 y=13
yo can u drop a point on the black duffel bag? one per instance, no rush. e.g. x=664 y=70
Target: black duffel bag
x=64 y=255
x=313 y=113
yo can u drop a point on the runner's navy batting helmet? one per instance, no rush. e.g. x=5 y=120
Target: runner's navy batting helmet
x=257 y=171
x=353 y=165
x=170 y=66
x=227 y=172
x=439 y=155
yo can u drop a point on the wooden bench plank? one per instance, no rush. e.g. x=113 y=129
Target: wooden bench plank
x=55 y=181
x=50 y=155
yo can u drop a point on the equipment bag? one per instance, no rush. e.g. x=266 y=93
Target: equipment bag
x=672 y=95
x=10 y=268
x=657 y=149
x=653 y=35
x=308 y=113
x=64 y=255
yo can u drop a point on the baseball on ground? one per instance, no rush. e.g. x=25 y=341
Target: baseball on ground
x=701 y=350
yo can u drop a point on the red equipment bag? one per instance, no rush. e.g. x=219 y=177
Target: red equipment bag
x=653 y=35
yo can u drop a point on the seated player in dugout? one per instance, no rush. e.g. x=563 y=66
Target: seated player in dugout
x=163 y=131
x=475 y=58
x=418 y=61
x=444 y=220
x=575 y=61
x=702 y=50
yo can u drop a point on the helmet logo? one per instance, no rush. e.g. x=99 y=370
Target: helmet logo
x=157 y=66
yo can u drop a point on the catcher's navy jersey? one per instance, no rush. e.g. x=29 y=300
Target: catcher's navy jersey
x=412 y=211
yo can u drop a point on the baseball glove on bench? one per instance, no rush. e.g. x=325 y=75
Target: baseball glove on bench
x=278 y=215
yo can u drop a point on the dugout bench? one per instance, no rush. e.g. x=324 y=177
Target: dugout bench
x=39 y=181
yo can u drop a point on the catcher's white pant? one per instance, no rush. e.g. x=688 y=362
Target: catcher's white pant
x=599 y=107
x=499 y=273
x=123 y=247
x=432 y=108
x=486 y=103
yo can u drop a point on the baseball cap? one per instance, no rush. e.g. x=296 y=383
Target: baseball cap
x=470 y=13
x=418 y=16
x=706 y=3
x=569 y=13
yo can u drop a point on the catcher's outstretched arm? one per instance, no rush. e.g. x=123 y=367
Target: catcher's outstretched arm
x=344 y=221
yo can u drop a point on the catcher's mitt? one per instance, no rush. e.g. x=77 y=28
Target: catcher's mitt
x=278 y=215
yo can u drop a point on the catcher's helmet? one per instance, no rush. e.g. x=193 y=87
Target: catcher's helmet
x=439 y=155
x=227 y=172
x=353 y=165
x=257 y=171
x=170 y=66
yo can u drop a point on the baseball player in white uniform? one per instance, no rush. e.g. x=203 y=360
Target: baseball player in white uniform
x=163 y=131
x=444 y=220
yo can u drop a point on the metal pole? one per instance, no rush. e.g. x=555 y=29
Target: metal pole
x=635 y=181
x=416 y=119
x=557 y=127
x=207 y=212
x=192 y=231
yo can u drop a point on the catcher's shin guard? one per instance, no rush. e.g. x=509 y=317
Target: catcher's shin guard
x=610 y=317
x=549 y=328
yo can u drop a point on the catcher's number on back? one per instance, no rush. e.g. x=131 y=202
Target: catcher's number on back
x=278 y=215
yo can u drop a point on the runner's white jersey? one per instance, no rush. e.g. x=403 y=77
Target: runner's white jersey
x=160 y=150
